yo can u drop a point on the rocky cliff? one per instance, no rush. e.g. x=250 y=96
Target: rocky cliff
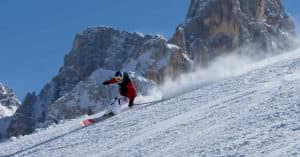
x=214 y=27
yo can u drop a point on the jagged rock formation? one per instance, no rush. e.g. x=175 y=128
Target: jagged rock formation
x=8 y=101
x=214 y=27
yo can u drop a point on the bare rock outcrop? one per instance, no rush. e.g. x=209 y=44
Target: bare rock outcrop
x=214 y=27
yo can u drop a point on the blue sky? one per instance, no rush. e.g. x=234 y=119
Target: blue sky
x=36 y=34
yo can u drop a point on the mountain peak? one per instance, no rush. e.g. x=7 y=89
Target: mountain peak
x=215 y=27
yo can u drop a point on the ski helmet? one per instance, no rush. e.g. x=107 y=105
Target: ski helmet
x=118 y=74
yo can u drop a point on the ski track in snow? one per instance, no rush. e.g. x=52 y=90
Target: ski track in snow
x=255 y=114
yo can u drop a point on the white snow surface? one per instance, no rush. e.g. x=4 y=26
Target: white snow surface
x=256 y=113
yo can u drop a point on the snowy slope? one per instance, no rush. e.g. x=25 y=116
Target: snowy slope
x=254 y=114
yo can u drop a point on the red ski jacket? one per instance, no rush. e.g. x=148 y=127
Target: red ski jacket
x=126 y=88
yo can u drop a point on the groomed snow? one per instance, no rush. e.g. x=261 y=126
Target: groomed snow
x=253 y=114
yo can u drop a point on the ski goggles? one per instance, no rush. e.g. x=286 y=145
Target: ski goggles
x=119 y=79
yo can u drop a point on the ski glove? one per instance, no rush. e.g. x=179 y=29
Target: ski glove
x=105 y=83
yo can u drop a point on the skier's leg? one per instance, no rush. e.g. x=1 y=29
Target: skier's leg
x=110 y=107
x=131 y=102
x=116 y=107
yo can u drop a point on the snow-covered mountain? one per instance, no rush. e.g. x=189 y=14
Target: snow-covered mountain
x=95 y=49
x=8 y=101
x=212 y=28
x=256 y=113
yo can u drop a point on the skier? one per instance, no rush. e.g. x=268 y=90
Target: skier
x=126 y=86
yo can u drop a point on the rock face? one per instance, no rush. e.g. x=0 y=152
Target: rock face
x=214 y=27
x=8 y=101
x=23 y=121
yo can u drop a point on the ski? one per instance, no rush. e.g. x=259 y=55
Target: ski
x=91 y=121
x=88 y=122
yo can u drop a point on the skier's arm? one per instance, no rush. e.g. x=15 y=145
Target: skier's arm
x=112 y=81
